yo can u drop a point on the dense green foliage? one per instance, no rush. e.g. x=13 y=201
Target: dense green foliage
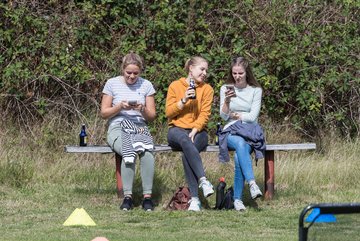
x=56 y=55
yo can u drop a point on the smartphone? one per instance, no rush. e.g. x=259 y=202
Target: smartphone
x=132 y=102
x=230 y=87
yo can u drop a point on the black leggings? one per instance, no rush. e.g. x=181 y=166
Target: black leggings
x=178 y=138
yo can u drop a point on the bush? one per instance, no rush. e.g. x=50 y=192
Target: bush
x=58 y=54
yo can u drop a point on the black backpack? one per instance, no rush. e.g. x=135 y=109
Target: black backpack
x=228 y=201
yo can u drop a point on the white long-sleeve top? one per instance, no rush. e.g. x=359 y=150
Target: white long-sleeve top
x=247 y=102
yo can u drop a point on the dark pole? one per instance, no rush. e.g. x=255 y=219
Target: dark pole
x=325 y=208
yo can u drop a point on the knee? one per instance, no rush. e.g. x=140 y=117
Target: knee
x=147 y=156
x=186 y=143
x=241 y=147
x=237 y=167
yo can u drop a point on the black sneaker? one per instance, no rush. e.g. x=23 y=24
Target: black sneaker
x=127 y=204
x=147 y=204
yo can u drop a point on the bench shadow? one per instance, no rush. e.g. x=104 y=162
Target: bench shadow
x=137 y=191
x=157 y=191
x=248 y=201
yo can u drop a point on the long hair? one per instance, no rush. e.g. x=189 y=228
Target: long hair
x=250 y=79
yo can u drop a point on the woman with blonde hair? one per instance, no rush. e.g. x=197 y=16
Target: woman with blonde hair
x=188 y=108
x=128 y=104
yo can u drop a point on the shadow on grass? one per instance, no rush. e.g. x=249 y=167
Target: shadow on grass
x=157 y=192
x=248 y=201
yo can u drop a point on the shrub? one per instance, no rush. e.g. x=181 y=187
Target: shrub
x=59 y=54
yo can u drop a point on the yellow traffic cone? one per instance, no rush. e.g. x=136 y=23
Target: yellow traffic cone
x=79 y=218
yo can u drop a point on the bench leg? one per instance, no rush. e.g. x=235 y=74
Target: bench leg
x=269 y=174
x=119 y=184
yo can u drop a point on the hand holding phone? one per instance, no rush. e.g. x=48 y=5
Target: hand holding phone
x=132 y=102
x=230 y=88
x=230 y=91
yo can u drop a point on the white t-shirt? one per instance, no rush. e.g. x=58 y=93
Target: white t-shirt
x=121 y=91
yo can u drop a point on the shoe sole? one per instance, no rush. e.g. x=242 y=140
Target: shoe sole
x=125 y=209
x=240 y=210
x=192 y=210
x=257 y=196
x=209 y=194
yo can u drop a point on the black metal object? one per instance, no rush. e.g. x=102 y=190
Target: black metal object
x=325 y=208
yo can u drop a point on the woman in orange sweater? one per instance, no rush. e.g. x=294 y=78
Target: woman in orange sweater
x=188 y=107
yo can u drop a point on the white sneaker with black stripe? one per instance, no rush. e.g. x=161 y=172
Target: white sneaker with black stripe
x=255 y=191
x=195 y=204
x=207 y=188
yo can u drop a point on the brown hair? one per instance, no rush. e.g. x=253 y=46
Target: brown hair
x=132 y=58
x=195 y=60
x=250 y=79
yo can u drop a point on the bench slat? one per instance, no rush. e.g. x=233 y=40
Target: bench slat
x=210 y=148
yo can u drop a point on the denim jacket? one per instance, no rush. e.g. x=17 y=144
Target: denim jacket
x=251 y=132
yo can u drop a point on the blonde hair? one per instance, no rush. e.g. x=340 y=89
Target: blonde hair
x=132 y=58
x=195 y=60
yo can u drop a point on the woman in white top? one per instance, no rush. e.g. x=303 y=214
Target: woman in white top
x=128 y=104
x=240 y=99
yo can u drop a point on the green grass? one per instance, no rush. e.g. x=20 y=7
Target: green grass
x=40 y=186
x=38 y=214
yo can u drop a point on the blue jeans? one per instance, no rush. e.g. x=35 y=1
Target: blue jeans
x=178 y=138
x=243 y=163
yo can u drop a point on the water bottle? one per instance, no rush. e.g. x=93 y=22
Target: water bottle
x=83 y=136
x=192 y=86
x=217 y=134
x=220 y=193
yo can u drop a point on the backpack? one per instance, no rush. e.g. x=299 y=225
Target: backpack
x=228 y=201
x=180 y=199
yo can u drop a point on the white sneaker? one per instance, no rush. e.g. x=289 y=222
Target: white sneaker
x=195 y=204
x=239 y=205
x=207 y=188
x=255 y=191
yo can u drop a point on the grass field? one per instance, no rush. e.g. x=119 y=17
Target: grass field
x=40 y=186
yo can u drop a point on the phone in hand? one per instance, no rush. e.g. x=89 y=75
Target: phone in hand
x=230 y=87
x=132 y=102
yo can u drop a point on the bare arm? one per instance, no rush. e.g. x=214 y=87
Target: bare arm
x=107 y=110
x=148 y=111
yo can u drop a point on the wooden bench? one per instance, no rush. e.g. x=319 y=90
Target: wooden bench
x=269 y=182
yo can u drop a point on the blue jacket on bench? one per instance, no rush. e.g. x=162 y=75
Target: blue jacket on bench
x=251 y=132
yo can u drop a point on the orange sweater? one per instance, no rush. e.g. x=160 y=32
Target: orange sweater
x=196 y=112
